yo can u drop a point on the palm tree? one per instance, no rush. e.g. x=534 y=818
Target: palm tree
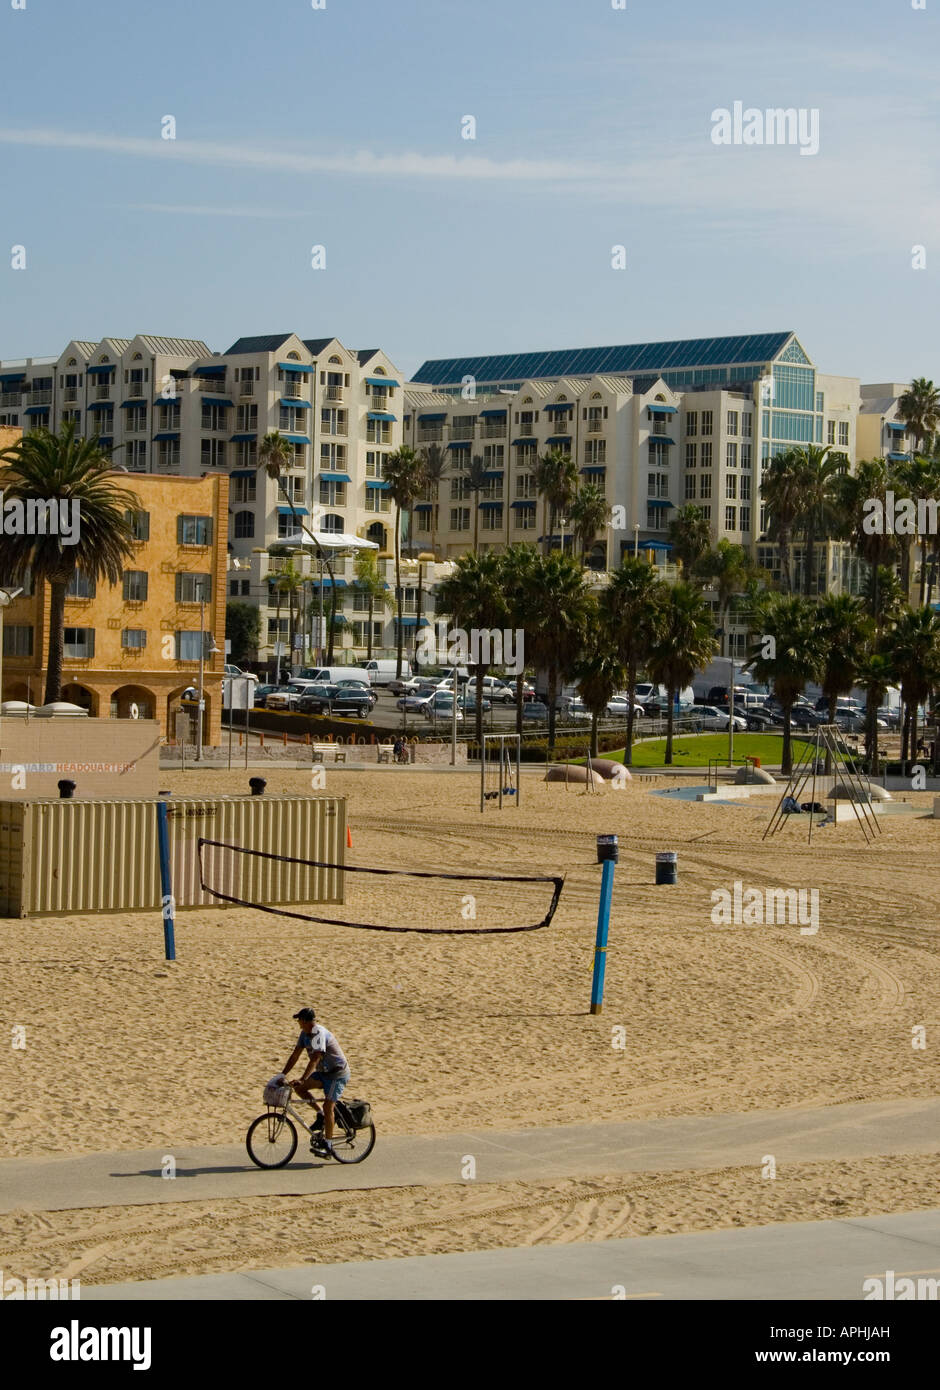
x=45 y=467
x=878 y=548
x=629 y=605
x=726 y=569
x=919 y=408
x=559 y=607
x=517 y=564
x=779 y=490
x=404 y=473
x=435 y=468
x=791 y=659
x=370 y=582
x=556 y=480
x=475 y=481
x=599 y=674
x=915 y=653
x=589 y=513
x=473 y=596
x=818 y=515
x=683 y=642
x=875 y=674
x=290 y=582
x=844 y=633
x=690 y=535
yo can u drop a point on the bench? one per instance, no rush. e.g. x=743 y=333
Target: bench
x=386 y=752
x=320 y=751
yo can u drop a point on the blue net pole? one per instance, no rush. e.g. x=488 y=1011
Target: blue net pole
x=166 y=882
x=600 y=945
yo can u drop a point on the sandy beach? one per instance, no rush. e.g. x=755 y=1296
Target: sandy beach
x=452 y=1033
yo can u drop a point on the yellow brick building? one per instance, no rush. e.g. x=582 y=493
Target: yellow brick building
x=131 y=649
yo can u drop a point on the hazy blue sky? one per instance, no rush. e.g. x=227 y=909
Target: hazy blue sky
x=342 y=127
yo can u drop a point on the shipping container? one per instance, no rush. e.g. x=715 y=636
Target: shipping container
x=70 y=856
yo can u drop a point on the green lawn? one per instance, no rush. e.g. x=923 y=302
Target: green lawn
x=694 y=750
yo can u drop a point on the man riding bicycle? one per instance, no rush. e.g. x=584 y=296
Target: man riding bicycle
x=333 y=1075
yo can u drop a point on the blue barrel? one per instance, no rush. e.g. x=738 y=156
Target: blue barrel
x=667 y=867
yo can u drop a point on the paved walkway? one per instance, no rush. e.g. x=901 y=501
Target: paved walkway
x=700 y=1142
x=798 y=1260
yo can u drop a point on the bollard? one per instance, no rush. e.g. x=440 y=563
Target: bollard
x=667 y=867
x=607 y=848
x=66 y=789
x=257 y=785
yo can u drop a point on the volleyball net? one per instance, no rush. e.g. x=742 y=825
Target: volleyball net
x=372 y=899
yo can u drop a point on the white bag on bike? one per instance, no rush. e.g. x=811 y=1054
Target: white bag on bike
x=276 y=1092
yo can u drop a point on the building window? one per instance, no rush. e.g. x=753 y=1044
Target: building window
x=292 y=420
x=747 y=424
x=745 y=454
x=691 y=451
x=332 y=494
x=492 y=519
x=375 y=464
x=244 y=526
x=214 y=416
x=731 y=455
x=745 y=489
x=691 y=422
x=193 y=530
x=189 y=646
x=135 y=586
x=525 y=518
x=731 y=486
x=133 y=639
x=79 y=643
x=378 y=432
x=706 y=422
x=460 y=518
x=213 y=453
x=745 y=518
x=731 y=516
x=706 y=513
x=705 y=485
x=333 y=421
x=247 y=417
x=136 y=419
x=493 y=456
x=732 y=422
x=830 y=431
x=819 y=400
x=170 y=417
x=244 y=490
x=246 y=453
x=595 y=451
x=333 y=458
x=690 y=486
x=81 y=586
x=654 y=519
x=17 y=639
x=136 y=454
x=139 y=523
x=193 y=588
x=377 y=500
x=706 y=455
x=843 y=432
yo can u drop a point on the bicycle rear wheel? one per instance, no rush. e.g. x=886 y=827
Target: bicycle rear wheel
x=351 y=1145
x=271 y=1140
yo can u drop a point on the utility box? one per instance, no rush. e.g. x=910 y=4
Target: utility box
x=84 y=856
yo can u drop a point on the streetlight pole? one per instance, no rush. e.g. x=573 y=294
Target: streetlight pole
x=202 y=672
x=636 y=540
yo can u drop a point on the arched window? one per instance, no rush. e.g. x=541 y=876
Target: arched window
x=104 y=358
x=244 y=526
x=595 y=395
x=138 y=357
x=71 y=362
x=376 y=533
x=380 y=371
x=332 y=523
x=293 y=356
x=338 y=360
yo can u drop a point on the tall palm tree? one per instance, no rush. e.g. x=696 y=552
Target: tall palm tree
x=370 y=582
x=683 y=642
x=878 y=548
x=690 y=535
x=475 y=481
x=875 y=674
x=404 y=473
x=559 y=611
x=290 y=582
x=919 y=408
x=473 y=596
x=845 y=631
x=556 y=481
x=818 y=517
x=791 y=660
x=726 y=569
x=436 y=464
x=61 y=468
x=517 y=565
x=630 y=604
x=589 y=513
x=780 y=494
x=915 y=652
x=599 y=674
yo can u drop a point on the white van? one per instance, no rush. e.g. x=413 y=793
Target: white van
x=382 y=672
x=332 y=674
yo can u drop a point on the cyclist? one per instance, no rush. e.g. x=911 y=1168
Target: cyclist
x=326 y=1066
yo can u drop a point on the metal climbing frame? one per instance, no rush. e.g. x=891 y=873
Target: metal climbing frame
x=829 y=743
x=507 y=767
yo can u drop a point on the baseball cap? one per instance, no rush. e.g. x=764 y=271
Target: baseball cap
x=305 y=1015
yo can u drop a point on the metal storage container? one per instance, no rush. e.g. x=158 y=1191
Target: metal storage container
x=101 y=856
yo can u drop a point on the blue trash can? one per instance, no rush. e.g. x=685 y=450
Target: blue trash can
x=667 y=867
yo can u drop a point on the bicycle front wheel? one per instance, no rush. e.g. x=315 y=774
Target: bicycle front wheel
x=271 y=1141
x=353 y=1145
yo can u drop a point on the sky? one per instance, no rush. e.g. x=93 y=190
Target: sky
x=343 y=127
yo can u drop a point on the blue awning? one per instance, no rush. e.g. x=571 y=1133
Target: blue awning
x=379 y=415
x=329 y=583
x=211 y=371
x=441 y=416
x=335 y=477
x=101 y=405
x=381 y=486
x=495 y=474
x=224 y=405
x=423 y=506
x=655 y=545
x=16 y=376
x=661 y=439
x=490 y=505
x=487 y=414
x=134 y=404
x=37 y=410
x=595 y=468
x=294 y=438
x=242 y=438
x=559 y=439
x=297 y=511
x=101 y=367
x=408 y=622
x=891 y=424
x=460 y=444
x=105 y=441
x=561 y=405
x=294 y=405
x=524 y=502
x=380 y=381
x=294 y=367
x=527 y=443
x=243 y=473
x=658 y=502
x=167 y=434
x=663 y=409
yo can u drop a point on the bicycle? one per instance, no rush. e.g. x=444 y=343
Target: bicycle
x=271 y=1140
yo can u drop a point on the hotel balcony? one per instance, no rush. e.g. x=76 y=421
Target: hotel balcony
x=379 y=401
x=431 y=436
x=10 y=400
x=103 y=391
x=37 y=397
x=527 y=430
x=70 y=394
x=494 y=431
x=461 y=432
x=335 y=393
x=213 y=384
x=246 y=388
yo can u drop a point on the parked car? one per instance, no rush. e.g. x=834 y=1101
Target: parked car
x=317 y=699
x=468 y=702
x=237 y=671
x=762 y=721
x=359 y=688
x=384 y=672
x=287 y=696
x=260 y=694
x=805 y=717
x=414 y=702
x=891 y=716
x=534 y=709
x=413 y=685
x=440 y=705
x=711 y=717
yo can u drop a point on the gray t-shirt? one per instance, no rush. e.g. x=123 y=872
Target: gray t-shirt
x=322 y=1040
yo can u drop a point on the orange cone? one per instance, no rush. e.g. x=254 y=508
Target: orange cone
x=348 y=838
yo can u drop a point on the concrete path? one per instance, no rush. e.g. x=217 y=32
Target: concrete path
x=634 y=1146
x=799 y=1260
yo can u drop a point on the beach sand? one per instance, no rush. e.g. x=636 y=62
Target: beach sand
x=448 y=1033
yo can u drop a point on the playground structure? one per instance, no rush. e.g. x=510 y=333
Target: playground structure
x=828 y=766
x=500 y=774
